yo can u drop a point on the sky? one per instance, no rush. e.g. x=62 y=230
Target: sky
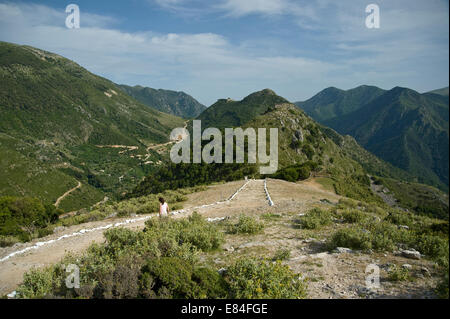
x=214 y=49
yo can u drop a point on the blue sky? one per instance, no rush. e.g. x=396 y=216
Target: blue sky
x=230 y=48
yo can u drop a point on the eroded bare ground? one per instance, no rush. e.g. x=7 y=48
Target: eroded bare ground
x=330 y=275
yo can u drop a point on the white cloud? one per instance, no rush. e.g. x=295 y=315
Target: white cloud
x=241 y=8
x=210 y=66
x=205 y=65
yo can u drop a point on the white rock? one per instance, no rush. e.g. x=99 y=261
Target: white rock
x=411 y=253
x=12 y=295
x=342 y=250
x=407 y=266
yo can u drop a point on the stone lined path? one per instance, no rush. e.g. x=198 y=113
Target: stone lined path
x=14 y=262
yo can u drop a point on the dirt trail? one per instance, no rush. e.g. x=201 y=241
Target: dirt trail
x=58 y=201
x=177 y=140
x=13 y=268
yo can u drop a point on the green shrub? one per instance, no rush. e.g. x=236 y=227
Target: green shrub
x=37 y=284
x=348 y=202
x=42 y=232
x=195 y=231
x=198 y=232
x=7 y=241
x=177 y=278
x=308 y=151
x=353 y=216
x=282 y=254
x=289 y=174
x=434 y=247
x=400 y=218
x=271 y=216
x=442 y=287
x=398 y=274
x=246 y=225
x=173 y=275
x=315 y=219
x=251 y=279
x=25 y=217
x=353 y=238
x=211 y=284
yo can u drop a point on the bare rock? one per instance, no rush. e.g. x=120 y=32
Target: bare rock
x=407 y=266
x=410 y=253
x=342 y=250
x=58 y=229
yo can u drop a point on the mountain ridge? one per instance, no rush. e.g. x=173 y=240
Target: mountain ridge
x=55 y=119
x=405 y=128
x=172 y=102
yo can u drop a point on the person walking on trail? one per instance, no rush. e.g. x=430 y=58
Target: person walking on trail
x=163 y=208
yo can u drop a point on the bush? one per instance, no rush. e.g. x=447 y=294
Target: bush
x=7 y=241
x=289 y=174
x=195 y=231
x=296 y=172
x=198 y=232
x=25 y=217
x=246 y=225
x=348 y=202
x=251 y=279
x=434 y=247
x=37 y=284
x=282 y=254
x=350 y=238
x=122 y=282
x=442 y=287
x=308 y=151
x=353 y=216
x=315 y=218
x=398 y=274
x=176 y=278
x=271 y=216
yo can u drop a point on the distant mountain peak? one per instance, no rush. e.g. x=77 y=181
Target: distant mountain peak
x=168 y=101
x=443 y=91
x=230 y=113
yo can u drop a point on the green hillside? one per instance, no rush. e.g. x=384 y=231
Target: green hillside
x=306 y=148
x=405 y=128
x=443 y=91
x=333 y=102
x=228 y=113
x=262 y=104
x=58 y=123
x=171 y=102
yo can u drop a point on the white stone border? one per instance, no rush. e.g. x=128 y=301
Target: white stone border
x=128 y=221
x=267 y=193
